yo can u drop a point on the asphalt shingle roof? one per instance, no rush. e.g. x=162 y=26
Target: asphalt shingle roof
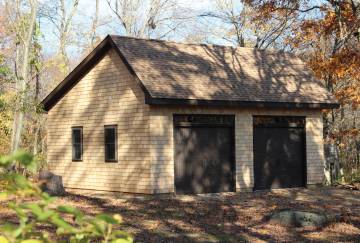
x=211 y=72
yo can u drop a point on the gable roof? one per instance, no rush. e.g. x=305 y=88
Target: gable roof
x=198 y=74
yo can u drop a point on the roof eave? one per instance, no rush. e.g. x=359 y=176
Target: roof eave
x=238 y=103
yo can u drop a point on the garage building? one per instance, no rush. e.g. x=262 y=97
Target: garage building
x=150 y=116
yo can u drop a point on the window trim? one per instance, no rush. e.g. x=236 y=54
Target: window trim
x=81 y=144
x=116 y=144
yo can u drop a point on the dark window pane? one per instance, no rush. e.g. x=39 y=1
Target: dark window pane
x=77 y=151
x=110 y=151
x=77 y=143
x=110 y=143
x=77 y=136
x=110 y=135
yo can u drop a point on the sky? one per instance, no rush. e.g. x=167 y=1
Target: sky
x=86 y=10
x=111 y=25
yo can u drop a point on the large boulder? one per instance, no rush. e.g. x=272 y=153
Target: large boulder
x=294 y=218
x=51 y=183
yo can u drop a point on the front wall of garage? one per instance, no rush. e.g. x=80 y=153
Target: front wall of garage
x=162 y=144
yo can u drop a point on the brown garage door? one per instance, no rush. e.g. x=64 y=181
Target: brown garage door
x=204 y=153
x=279 y=152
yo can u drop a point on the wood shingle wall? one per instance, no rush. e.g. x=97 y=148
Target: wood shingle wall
x=107 y=95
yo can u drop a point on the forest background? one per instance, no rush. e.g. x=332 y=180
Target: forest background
x=41 y=41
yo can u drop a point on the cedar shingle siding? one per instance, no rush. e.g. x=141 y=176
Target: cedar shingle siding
x=107 y=95
x=110 y=94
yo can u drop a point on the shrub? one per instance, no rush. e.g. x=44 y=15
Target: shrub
x=71 y=224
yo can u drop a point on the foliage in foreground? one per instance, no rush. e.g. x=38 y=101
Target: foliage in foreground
x=71 y=224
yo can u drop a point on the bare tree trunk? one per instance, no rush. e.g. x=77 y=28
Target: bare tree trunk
x=37 y=125
x=64 y=28
x=23 y=79
x=36 y=139
x=63 y=37
x=94 y=25
x=61 y=15
x=140 y=18
x=14 y=144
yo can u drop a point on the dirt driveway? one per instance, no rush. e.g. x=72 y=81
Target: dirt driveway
x=231 y=217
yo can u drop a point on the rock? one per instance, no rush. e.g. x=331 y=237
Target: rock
x=45 y=175
x=51 y=183
x=353 y=186
x=294 y=218
x=356 y=185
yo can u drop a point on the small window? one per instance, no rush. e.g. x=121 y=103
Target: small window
x=110 y=143
x=77 y=143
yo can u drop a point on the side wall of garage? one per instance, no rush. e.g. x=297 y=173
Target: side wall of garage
x=106 y=95
x=162 y=144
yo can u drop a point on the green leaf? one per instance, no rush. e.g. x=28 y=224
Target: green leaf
x=70 y=210
x=107 y=218
x=32 y=166
x=47 y=198
x=99 y=226
x=5 y=161
x=19 y=211
x=17 y=232
x=24 y=158
x=124 y=240
x=40 y=213
x=80 y=236
x=118 y=218
x=34 y=208
x=21 y=181
x=119 y=235
x=62 y=224
x=4 y=195
x=8 y=228
x=3 y=239
x=46 y=215
x=31 y=241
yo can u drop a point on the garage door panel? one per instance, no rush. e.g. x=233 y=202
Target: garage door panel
x=279 y=156
x=204 y=160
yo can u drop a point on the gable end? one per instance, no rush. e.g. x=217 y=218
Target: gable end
x=83 y=68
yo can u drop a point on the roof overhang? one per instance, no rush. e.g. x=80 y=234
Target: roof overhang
x=237 y=103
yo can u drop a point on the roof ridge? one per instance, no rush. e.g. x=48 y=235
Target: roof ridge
x=205 y=44
x=181 y=43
